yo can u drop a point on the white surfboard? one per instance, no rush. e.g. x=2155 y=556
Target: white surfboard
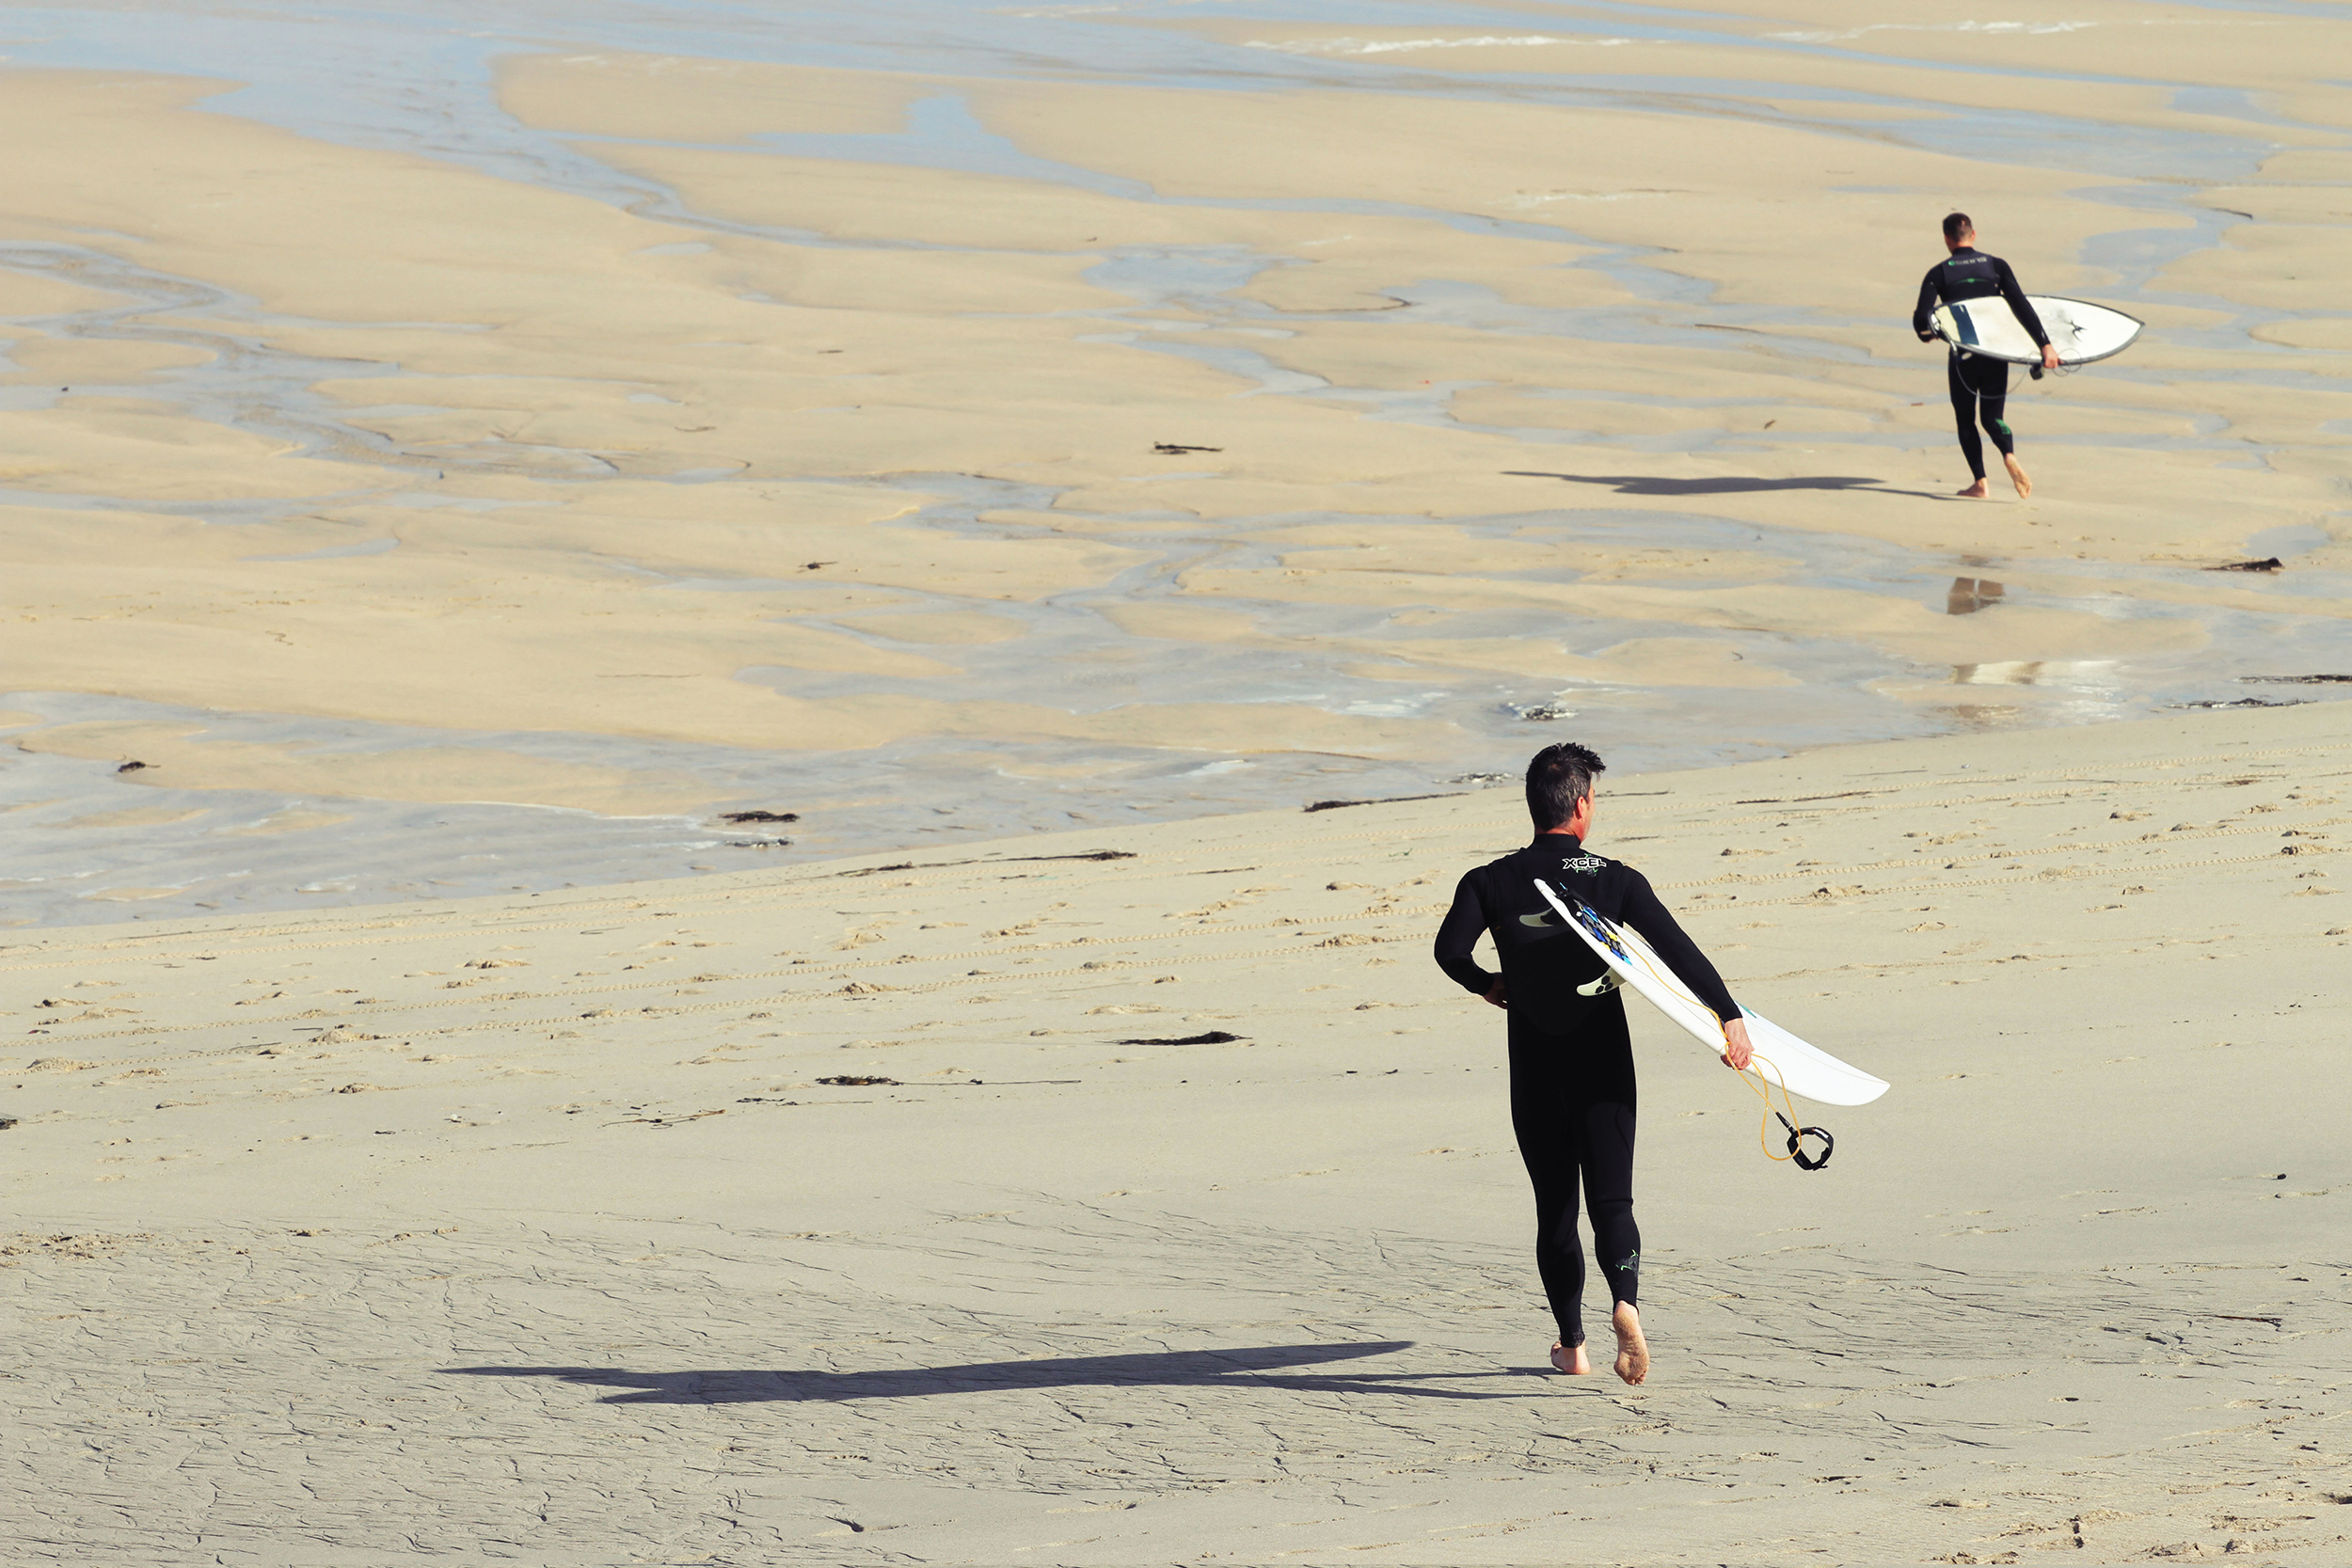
x=1781 y=1058
x=2080 y=331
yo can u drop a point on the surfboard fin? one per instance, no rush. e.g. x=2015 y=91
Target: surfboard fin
x=1609 y=980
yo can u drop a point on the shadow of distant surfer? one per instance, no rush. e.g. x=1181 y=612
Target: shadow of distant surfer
x=1256 y=1366
x=1978 y=382
x=1646 y=484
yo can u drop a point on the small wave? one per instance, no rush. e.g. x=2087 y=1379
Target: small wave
x=1390 y=46
x=2025 y=27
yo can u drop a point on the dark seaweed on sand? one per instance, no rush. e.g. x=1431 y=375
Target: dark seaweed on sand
x=941 y=865
x=1385 y=800
x=1214 y=1037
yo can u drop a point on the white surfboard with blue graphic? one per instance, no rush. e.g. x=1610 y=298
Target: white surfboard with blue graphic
x=1781 y=1058
x=2080 y=331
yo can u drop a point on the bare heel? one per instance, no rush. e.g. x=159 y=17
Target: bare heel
x=1632 y=1349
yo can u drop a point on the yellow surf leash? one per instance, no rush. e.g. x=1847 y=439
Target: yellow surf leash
x=1764 y=1086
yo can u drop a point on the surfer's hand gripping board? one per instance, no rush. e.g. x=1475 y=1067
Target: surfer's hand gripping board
x=1781 y=1059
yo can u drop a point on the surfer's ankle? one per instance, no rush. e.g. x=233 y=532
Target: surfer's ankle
x=2017 y=476
x=1978 y=491
x=1632 y=1347
x=1571 y=1359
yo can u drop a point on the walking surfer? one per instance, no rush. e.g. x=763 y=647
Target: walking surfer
x=1572 y=1092
x=1980 y=385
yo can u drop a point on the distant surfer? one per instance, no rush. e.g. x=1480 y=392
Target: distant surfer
x=1572 y=1099
x=1980 y=384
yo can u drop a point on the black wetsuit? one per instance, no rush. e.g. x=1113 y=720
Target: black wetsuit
x=1572 y=1094
x=1979 y=387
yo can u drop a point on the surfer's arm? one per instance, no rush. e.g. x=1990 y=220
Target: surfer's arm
x=1465 y=922
x=2023 y=308
x=1923 y=312
x=1645 y=914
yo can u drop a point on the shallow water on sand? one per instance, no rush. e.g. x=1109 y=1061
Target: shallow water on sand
x=420 y=80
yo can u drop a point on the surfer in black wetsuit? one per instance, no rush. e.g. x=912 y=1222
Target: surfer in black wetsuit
x=1980 y=385
x=1572 y=1096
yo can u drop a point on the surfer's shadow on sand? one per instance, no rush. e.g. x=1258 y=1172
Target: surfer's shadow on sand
x=1260 y=1368
x=1653 y=485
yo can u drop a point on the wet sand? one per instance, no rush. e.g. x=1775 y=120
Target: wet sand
x=1145 y=1195
x=495 y=471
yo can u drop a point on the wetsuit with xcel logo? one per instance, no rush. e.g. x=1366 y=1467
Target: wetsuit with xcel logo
x=1979 y=387
x=1572 y=1090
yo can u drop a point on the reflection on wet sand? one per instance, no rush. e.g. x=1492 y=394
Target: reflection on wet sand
x=2036 y=672
x=1978 y=717
x=1970 y=595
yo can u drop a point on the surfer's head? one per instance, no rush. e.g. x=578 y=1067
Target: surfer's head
x=1558 y=777
x=1958 y=230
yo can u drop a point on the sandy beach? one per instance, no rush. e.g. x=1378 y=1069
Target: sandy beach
x=1017 y=1205
x=720 y=726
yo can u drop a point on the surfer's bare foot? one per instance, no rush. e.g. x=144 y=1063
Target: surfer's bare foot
x=1975 y=492
x=2016 y=477
x=1574 y=1362
x=1632 y=1350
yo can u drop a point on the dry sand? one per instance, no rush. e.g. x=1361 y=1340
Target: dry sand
x=324 y=1273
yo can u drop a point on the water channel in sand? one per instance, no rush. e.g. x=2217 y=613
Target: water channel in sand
x=85 y=841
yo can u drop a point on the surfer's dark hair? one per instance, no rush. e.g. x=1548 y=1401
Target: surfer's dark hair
x=1955 y=225
x=1557 y=777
